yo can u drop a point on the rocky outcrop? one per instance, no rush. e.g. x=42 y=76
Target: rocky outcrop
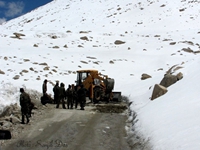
x=168 y=80
x=158 y=91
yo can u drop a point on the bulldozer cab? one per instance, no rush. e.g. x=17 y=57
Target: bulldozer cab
x=85 y=77
x=81 y=76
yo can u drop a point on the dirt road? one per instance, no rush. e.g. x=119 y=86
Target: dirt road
x=70 y=129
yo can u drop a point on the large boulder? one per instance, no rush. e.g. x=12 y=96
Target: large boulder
x=168 y=80
x=158 y=91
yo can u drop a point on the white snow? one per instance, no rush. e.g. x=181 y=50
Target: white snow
x=148 y=29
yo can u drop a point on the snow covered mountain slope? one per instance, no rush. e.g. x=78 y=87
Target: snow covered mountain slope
x=62 y=37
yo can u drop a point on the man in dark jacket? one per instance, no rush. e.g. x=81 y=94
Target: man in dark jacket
x=44 y=87
x=61 y=96
x=75 y=96
x=25 y=104
x=56 y=92
x=45 y=98
x=77 y=101
x=69 y=94
x=82 y=96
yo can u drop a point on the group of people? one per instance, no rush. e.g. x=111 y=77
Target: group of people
x=73 y=94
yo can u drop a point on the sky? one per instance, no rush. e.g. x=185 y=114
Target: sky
x=156 y=36
x=10 y=9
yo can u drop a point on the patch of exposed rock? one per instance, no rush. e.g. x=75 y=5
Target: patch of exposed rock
x=56 y=47
x=54 y=37
x=16 y=77
x=91 y=57
x=84 y=38
x=145 y=76
x=1 y=72
x=65 y=46
x=117 y=42
x=84 y=31
x=84 y=62
x=17 y=35
x=111 y=62
x=35 y=45
x=44 y=64
x=46 y=68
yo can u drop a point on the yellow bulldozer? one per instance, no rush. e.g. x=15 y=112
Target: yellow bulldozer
x=99 y=87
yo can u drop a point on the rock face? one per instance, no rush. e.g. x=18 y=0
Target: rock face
x=158 y=91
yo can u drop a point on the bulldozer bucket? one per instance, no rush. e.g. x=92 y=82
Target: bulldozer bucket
x=117 y=96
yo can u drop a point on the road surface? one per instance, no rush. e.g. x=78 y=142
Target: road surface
x=72 y=129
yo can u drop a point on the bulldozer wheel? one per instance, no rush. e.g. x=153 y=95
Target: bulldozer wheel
x=97 y=94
